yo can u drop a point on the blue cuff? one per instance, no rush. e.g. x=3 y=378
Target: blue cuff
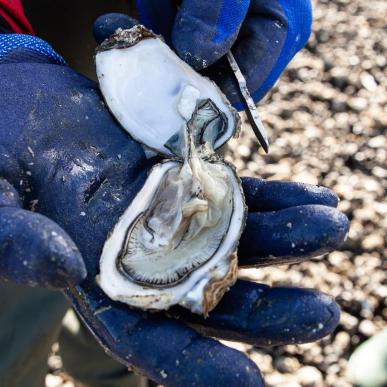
x=27 y=48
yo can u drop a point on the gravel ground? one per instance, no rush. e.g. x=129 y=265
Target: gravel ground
x=326 y=119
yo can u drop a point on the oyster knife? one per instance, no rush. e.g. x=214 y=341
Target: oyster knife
x=251 y=109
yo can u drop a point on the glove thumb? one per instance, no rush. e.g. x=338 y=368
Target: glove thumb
x=205 y=31
x=105 y=25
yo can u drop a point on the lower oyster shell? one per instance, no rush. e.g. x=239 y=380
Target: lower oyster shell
x=203 y=287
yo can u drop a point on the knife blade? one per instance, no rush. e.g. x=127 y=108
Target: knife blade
x=251 y=109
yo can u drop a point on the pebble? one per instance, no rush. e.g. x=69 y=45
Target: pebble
x=367 y=328
x=55 y=362
x=262 y=360
x=244 y=150
x=357 y=103
x=337 y=258
x=348 y=321
x=373 y=241
x=342 y=341
x=368 y=81
x=309 y=377
x=54 y=381
x=338 y=106
x=377 y=142
x=287 y=364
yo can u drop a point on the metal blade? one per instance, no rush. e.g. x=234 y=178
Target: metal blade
x=251 y=109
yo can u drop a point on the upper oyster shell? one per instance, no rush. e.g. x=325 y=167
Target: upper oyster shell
x=176 y=242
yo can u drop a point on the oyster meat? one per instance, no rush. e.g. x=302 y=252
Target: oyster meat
x=176 y=242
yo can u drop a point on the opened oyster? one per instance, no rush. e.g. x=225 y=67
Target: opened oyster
x=176 y=243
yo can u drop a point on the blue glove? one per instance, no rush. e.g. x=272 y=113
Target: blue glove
x=264 y=36
x=73 y=170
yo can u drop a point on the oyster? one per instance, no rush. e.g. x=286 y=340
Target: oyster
x=176 y=242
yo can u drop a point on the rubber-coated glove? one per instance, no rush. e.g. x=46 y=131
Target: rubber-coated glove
x=73 y=170
x=264 y=36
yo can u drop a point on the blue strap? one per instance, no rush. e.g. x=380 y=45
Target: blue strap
x=27 y=46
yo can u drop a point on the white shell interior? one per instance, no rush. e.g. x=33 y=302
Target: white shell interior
x=188 y=293
x=142 y=86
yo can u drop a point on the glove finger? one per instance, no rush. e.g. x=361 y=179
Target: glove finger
x=267 y=316
x=165 y=350
x=205 y=31
x=273 y=32
x=291 y=235
x=271 y=195
x=105 y=26
x=157 y=15
x=35 y=251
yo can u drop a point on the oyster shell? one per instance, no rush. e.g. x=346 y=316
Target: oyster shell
x=134 y=68
x=176 y=242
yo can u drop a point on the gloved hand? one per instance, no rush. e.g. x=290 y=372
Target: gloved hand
x=264 y=36
x=73 y=170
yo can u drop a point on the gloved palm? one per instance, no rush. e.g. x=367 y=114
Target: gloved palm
x=76 y=171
